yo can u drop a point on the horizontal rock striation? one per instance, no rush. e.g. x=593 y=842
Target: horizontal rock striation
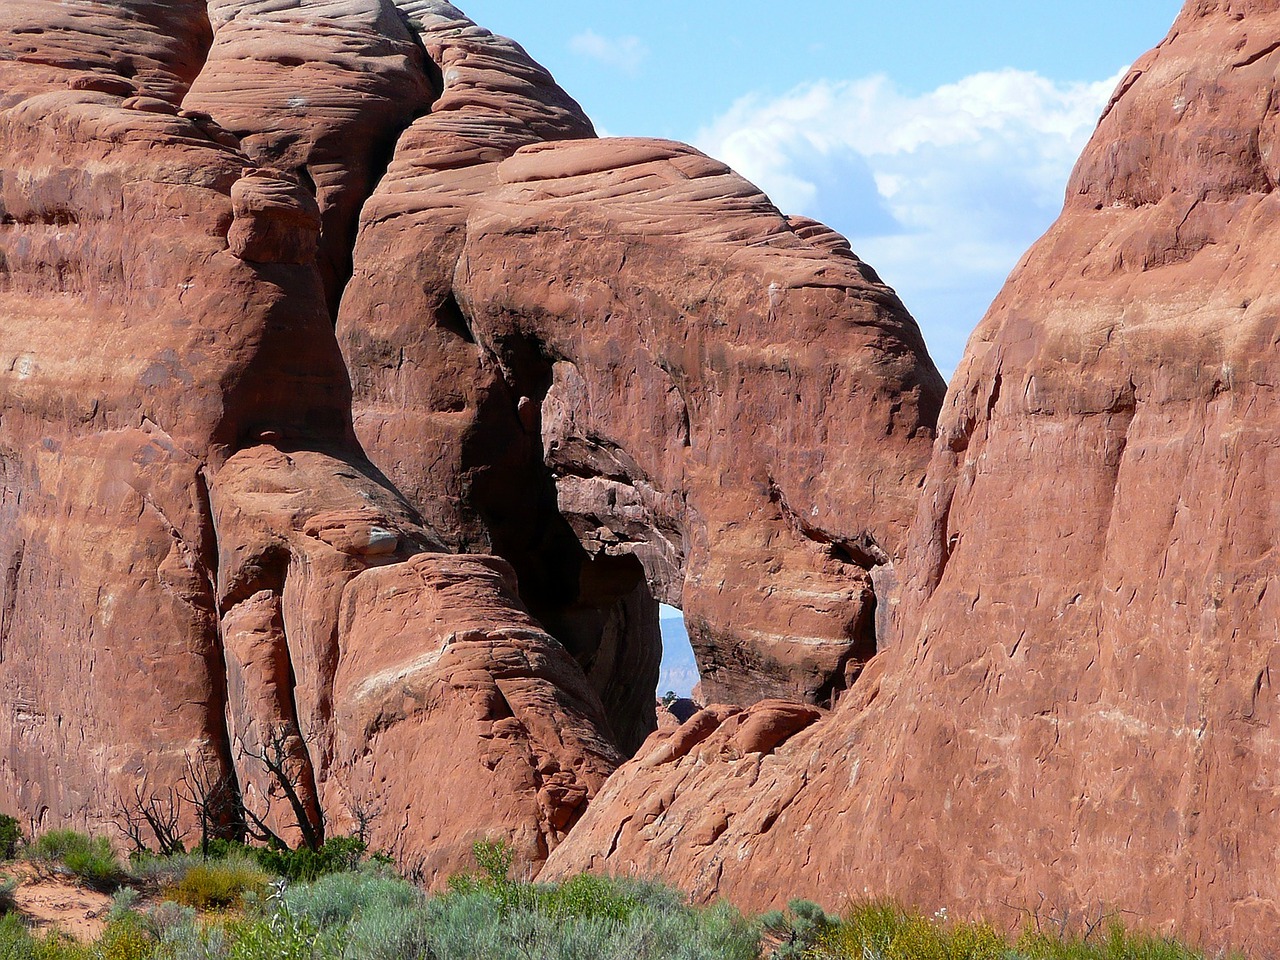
x=1075 y=713
x=191 y=537
x=559 y=347
x=613 y=363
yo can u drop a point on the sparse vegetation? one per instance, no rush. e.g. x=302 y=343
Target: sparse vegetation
x=10 y=837
x=333 y=856
x=219 y=884
x=91 y=859
x=884 y=931
x=795 y=933
x=241 y=903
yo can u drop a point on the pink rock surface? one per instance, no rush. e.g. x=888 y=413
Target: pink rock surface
x=594 y=374
x=319 y=88
x=184 y=510
x=552 y=361
x=1075 y=713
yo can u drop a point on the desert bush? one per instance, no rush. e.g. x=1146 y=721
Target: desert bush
x=18 y=943
x=122 y=904
x=885 y=931
x=476 y=926
x=192 y=941
x=53 y=846
x=8 y=887
x=796 y=932
x=124 y=939
x=344 y=897
x=372 y=915
x=218 y=884
x=335 y=855
x=89 y=858
x=97 y=866
x=284 y=938
x=583 y=897
x=10 y=837
x=381 y=932
x=150 y=871
x=1111 y=943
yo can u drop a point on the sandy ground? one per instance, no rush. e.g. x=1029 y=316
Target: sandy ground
x=49 y=901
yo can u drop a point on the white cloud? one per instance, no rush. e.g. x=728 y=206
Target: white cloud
x=623 y=53
x=941 y=192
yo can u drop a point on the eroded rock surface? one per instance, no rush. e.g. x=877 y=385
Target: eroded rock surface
x=190 y=534
x=615 y=363
x=1076 y=713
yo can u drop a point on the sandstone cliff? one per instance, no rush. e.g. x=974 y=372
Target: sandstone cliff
x=358 y=406
x=199 y=563
x=1076 y=710
x=587 y=374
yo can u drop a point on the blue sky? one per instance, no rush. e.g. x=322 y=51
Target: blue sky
x=937 y=136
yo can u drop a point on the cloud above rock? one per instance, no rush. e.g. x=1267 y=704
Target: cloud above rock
x=942 y=191
x=621 y=53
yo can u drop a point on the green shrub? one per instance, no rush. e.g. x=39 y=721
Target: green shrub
x=381 y=932
x=218 y=884
x=284 y=939
x=150 y=871
x=342 y=898
x=188 y=940
x=97 y=867
x=885 y=931
x=18 y=943
x=219 y=848
x=53 y=846
x=476 y=926
x=89 y=858
x=10 y=837
x=124 y=939
x=336 y=855
x=122 y=904
x=8 y=887
x=796 y=932
x=1112 y=943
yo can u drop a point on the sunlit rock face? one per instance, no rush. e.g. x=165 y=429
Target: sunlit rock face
x=199 y=566
x=357 y=406
x=615 y=363
x=1075 y=712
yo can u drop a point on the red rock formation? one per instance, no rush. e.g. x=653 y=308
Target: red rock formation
x=662 y=308
x=321 y=87
x=1076 y=713
x=522 y=303
x=199 y=562
x=192 y=543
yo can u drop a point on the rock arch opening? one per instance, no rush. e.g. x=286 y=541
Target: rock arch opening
x=679 y=682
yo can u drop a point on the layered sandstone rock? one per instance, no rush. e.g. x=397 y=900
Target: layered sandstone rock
x=616 y=364
x=613 y=363
x=322 y=88
x=192 y=543
x=1076 y=713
